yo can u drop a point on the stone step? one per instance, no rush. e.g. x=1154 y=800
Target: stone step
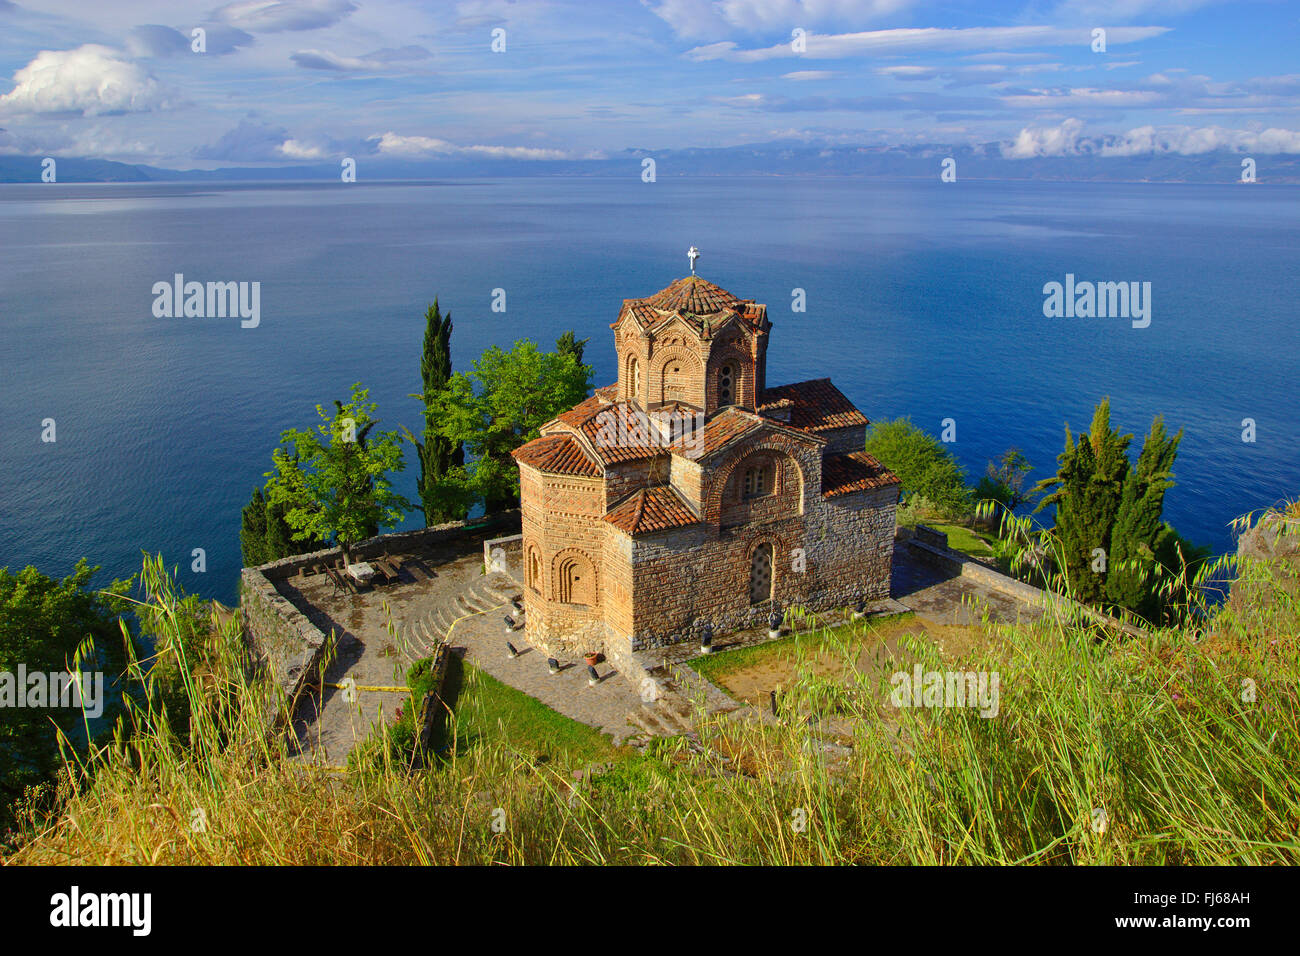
x=678 y=705
x=646 y=721
x=673 y=718
x=500 y=596
x=670 y=724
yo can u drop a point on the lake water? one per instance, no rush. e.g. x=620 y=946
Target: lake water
x=922 y=299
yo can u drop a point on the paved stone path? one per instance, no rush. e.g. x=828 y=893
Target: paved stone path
x=949 y=599
x=476 y=629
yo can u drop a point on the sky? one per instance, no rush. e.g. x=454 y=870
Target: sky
x=294 y=81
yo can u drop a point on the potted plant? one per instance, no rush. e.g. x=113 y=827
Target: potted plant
x=592 y=659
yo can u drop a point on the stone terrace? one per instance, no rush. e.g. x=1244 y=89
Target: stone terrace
x=388 y=627
x=444 y=593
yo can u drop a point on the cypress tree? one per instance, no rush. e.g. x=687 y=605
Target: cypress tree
x=279 y=536
x=1138 y=535
x=1087 y=490
x=437 y=455
x=265 y=536
x=570 y=344
x=252 y=530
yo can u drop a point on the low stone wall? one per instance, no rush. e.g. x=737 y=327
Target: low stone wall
x=927 y=535
x=510 y=544
x=285 y=644
x=397 y=543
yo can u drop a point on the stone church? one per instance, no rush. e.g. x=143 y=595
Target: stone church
x=691 y=491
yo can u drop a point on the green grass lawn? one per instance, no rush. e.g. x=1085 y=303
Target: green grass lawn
x=960 y=537
x=488 y=711
x=966 y=540
x=486 y=715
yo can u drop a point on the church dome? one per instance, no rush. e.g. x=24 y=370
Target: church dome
x=692 y=296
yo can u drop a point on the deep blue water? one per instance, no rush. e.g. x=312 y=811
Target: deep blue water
x=923 y=300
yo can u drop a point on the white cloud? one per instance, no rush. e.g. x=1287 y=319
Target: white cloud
x=379 y=60
x=1060 y=140
x=1082 y=96
x=801 y=75
x=297 y=149
x=391 y=144
x=91 y=80
x=273 y=16
x=1067 y=139
x=913 y=40
x=710 y=19
x=1113 y=11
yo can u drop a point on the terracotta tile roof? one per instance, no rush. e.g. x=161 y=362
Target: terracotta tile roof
x=721 y=429
x=616 y=431
x=607 y=392
x=855 y=471
x=690 y=297
x=558 y=454
x=651 y=509
x=815 y=406
x=578 y=414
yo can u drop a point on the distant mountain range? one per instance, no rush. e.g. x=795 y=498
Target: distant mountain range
x=767 y=159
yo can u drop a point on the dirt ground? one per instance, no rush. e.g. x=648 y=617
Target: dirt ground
x=883 y=649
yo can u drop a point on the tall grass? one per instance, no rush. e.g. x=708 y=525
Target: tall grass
x=1183 y=749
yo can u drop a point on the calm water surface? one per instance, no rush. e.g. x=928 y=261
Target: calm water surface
x=922 y=300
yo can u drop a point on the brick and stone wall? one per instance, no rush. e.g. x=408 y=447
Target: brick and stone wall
x=829 y=558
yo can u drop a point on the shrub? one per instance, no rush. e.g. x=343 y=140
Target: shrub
x=926 y=468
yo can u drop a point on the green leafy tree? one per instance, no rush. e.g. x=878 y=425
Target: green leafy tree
x=499 y=406
x=335 y=485
x=1004 y=481
x=438 y=456
x=924 y=466
x=48 y=626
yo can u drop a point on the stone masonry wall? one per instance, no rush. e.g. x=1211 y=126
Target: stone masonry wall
x=686 y=577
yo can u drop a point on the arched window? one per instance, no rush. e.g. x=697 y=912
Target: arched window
x=758 y=481
x=633 y=381
x=577 y=583
x=725 y=377
x=761 y=580
x=534 y=571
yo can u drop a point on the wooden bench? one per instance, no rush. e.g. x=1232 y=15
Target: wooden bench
x=386 y=567
x=335 y=579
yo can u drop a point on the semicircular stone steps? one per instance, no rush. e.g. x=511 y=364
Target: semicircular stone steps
x=428 y=631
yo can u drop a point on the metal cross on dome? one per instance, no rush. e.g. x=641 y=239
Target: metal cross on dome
x=692 y=253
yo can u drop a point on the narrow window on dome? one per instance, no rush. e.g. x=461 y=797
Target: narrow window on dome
x=724 y=385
